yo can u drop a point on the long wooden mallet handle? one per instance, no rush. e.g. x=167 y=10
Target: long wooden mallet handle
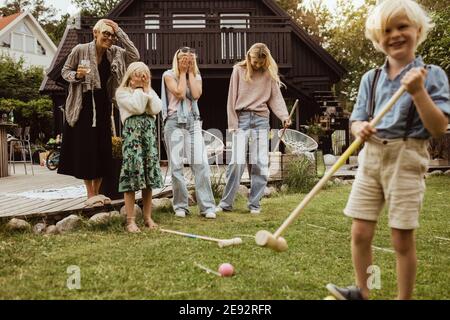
x=284 y=128
x=352 y=148
x=221 y=242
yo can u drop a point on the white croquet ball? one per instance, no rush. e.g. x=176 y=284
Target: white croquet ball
x=329 y=159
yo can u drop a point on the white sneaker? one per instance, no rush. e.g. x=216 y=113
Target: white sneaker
x=255 y=211
x=219 y=209
x=209 y=215
x=180 y=214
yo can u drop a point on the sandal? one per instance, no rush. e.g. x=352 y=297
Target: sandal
x=105 y=199
x=133 y=228
x=151 y=225
x=94 y=202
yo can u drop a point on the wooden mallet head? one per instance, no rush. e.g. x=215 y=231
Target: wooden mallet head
x=264 y=238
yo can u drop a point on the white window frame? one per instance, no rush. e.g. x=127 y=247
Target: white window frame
x=152 y=22
x=189 y=24
x=241 y=37
x=23 y=37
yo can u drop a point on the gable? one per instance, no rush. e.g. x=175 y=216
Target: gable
x=5 y=21
x=25 y=25
x=129 y=8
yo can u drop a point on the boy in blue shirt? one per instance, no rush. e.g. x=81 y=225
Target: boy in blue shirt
x=395 y=157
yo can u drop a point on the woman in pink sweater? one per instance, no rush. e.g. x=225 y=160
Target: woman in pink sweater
x=254 y=91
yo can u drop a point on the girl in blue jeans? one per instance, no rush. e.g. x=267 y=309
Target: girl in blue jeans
x=180 y=89
x=254 y=91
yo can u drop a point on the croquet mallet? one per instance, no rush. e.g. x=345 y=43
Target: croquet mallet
x=274 y=241
x=221 y=242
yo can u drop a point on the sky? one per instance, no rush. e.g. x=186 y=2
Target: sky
x=62 y=6
x=65 y=6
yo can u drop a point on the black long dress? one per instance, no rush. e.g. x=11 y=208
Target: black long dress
x=86 y=151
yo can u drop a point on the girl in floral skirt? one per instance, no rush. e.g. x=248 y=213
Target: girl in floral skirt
x=138 y=104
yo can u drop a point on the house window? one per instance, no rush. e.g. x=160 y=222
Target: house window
x=151 y=23
x=189 y=23
x=30 y=44
x=234 y=42
x=23 y=40
x=17 y=41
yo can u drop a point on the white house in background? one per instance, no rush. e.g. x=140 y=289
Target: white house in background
x=22 y=36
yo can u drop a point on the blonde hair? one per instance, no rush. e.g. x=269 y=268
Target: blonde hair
x=101 y=26
x=386 y=10
x=261 y=51
x=175 y=68
x=135 y=68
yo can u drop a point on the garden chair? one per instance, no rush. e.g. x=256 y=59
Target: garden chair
x=214 y=149
x=20 y=141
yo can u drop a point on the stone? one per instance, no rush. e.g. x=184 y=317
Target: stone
x=51 y=230
x=68 y=224
x=100 y=218
x=162 y=203
x=329 y=159
x=115 y=215
x=347 y=182
x=243 y=191
x=270 y=192
x=137 y=211
x=284 y=188
x=436 y=173
x=18 y=225
x=39 y=228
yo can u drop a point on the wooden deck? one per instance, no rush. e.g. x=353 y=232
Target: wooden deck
x=17 y=191
x=13 y=202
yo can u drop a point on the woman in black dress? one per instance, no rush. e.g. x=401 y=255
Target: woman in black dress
x=94 y=71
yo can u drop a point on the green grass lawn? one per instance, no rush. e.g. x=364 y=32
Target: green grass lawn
x=152 y=265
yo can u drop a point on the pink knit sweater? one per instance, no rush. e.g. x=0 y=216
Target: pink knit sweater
x=257 y=95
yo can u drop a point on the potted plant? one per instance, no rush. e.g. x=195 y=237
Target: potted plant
x=315 y=130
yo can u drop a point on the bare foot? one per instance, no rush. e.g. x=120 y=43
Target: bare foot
x=133 y=228
x=150 y=224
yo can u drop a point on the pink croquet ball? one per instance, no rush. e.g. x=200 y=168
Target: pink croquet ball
x=226 y=270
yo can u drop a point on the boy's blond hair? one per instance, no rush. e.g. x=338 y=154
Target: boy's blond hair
x=386 y=10
x=135 y=68
x=261 y=51
x=175 y=68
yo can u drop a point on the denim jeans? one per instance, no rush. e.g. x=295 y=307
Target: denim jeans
x=185 y=144
x=252 y=137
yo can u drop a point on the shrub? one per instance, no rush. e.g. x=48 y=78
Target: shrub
x=301 y=175
x=36 y=113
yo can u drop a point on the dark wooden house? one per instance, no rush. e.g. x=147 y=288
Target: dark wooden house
x=221 y=31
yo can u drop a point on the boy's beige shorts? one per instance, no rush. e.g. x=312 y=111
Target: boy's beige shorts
x=391 y=172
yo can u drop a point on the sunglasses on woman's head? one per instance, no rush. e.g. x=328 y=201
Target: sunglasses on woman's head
x=187 y=50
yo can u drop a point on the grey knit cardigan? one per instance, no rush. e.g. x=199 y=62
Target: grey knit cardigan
x=118 y=57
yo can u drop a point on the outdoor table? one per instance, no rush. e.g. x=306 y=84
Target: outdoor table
x=4 y=172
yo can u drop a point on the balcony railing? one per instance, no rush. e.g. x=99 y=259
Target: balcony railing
x=220 y=42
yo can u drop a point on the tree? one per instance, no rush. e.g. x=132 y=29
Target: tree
x=15 y=6
x=16 y=82
x=95 y=8
x=44 y=14
x=435 y=50
x=56 y=30
x=346 y=42
x=312 y=18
